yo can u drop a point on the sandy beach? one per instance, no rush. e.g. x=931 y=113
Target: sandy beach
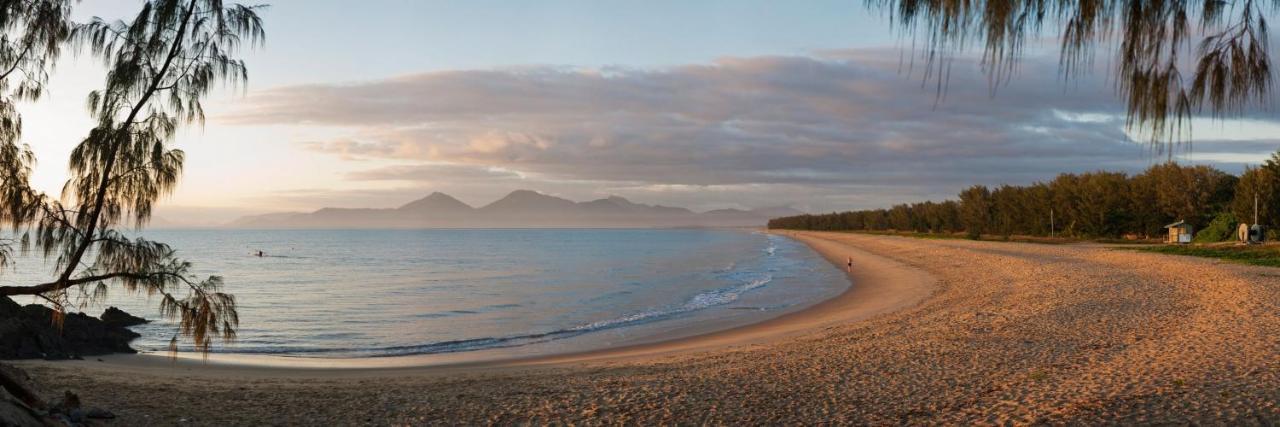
x=932 y=331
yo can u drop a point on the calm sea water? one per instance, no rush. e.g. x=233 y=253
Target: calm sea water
x=362 y=293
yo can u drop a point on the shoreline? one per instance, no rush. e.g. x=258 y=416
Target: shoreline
x=1008 y=334
x=878 y=285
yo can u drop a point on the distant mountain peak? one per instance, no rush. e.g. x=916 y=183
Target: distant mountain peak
x=528 y=200
x=437 y=202
x=519 y=208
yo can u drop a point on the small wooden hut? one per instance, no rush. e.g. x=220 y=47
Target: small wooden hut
x=1179 y=233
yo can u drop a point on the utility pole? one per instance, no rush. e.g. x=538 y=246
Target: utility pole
x=1051 y=227
x=1255 y=232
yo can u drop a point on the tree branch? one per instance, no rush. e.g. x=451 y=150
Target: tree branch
x=63 y=284
x=17 y=61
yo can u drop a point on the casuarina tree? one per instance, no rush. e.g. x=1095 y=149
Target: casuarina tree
x=160 y=64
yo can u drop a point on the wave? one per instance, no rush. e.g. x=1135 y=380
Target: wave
x=697 y=302
x=700 y=301
x=770 y=262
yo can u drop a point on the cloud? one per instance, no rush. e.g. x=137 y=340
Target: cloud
x=436 y=173
x=840 y=130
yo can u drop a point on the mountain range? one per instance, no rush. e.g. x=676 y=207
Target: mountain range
x=519 y=209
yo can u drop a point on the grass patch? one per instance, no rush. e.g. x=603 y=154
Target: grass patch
x=1264 y=255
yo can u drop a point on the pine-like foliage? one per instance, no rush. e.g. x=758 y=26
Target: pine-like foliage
x=1172 y=58
x=160 y=64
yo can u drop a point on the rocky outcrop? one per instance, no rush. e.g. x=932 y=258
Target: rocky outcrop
x=29 y=333
x=14 y=413
x=19 y=405
x=119 y=318
x=22 y=406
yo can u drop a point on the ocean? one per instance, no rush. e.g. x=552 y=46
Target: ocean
x=376 y=293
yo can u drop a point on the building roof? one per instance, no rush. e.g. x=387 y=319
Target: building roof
x=1176 y=224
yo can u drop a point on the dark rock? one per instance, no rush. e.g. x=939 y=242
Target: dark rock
x=16 y=375
x=14 y=413
x=99 y=413
x=67 y=410
x=117 y=317
x=29 y=333
x=17 y=388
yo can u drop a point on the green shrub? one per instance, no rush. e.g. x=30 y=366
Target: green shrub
x=1221 y=229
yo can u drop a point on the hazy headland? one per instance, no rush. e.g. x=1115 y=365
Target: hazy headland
x=519 y=209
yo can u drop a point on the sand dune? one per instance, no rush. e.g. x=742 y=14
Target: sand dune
x=1016 y=333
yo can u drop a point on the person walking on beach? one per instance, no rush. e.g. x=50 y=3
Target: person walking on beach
x=850 y=264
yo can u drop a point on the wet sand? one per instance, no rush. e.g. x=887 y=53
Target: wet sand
x=932 y=331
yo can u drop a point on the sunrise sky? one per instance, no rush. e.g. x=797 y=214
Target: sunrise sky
x=705 y=105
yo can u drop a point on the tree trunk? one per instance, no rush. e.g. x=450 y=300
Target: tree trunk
x=15 y=382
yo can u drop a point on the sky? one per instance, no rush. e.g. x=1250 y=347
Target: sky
x=707 y=105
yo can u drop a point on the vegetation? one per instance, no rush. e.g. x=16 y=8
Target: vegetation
x=160 y=64
x=1171 y=58
x=1265 y=255
x=1221 y=229
x=1101 y=205
x=1259 y=189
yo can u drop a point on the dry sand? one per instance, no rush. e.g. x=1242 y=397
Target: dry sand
x=933 y=331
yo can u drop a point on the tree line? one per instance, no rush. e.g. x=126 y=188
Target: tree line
x=1090 y=205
